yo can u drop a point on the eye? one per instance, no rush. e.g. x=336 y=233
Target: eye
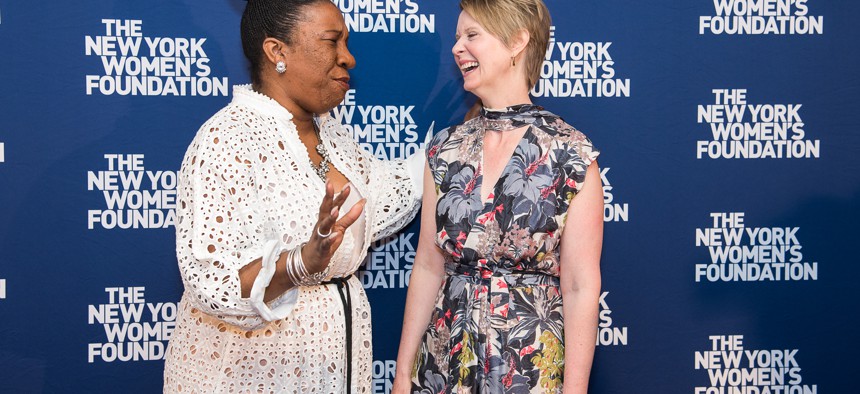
x=332 y=36
x=471 y=35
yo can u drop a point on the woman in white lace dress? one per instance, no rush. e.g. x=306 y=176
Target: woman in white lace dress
x=266 y=245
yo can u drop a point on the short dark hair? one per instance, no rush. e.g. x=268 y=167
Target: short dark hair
x=269 y=18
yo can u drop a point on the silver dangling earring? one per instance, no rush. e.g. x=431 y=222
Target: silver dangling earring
x=280 y=67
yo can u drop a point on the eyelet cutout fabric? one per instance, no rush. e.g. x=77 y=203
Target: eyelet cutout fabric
x=246 y=181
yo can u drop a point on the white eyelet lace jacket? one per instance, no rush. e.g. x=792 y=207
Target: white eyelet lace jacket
x=247 y=190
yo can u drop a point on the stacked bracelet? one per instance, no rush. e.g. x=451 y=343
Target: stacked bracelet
x=298 y=273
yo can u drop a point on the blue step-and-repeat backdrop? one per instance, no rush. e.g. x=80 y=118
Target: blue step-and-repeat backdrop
x=731 y=165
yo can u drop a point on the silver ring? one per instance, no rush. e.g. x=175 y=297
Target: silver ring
x=321 y=235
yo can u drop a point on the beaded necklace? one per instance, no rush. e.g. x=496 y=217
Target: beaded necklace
x=323 y=167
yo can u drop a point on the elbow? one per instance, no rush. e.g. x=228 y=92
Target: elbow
x=588 y=286
x=429 y=264
x=219 y=297
x=214 y=302
x=226 y=311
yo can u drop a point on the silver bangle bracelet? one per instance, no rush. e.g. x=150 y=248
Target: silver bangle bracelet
x=290 y=266
x=298 y=273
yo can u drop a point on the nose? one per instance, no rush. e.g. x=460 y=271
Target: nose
x=458 y=47
x=345 y=58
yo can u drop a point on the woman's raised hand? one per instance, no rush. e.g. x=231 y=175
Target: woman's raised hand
x=329 y=231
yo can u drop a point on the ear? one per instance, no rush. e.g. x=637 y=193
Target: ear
x=273 y=49
x=519 y=41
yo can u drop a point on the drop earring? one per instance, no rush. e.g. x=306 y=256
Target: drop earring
x=513 y=61
x=280 y=67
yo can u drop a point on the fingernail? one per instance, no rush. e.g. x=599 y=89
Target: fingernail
x=345 y=188
x=333 y=211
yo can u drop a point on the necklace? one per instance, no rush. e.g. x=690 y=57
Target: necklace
x=323 y=167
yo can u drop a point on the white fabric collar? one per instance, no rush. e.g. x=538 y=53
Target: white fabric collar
x=246 y=95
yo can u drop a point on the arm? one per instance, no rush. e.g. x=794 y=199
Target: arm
x=581 y=245
x=222 y=246
x=316 y=254
x=428 y=272
x=397 y=184
x=219 y=228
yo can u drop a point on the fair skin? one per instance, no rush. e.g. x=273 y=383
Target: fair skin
x=495 y=82
x=316 y=80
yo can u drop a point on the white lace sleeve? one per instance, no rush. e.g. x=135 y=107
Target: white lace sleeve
x=221 y=229
x=397 y=186
x=394 y=191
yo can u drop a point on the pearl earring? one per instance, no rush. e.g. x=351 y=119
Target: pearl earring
x=280 y=67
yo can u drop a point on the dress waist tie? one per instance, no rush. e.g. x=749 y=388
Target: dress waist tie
x=495 y=291
x=346 y=300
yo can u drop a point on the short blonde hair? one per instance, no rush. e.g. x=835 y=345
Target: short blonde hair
x=504 y=18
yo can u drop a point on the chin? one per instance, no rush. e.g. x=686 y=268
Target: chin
x=470 y=87
x=331 y=102
x=475 y=90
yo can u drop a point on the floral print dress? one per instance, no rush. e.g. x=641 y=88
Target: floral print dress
x=497 y=326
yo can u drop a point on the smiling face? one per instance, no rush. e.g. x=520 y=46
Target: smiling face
x=485 y=62
x=318 y=61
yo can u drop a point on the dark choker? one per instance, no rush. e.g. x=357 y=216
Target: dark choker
x=509 y=118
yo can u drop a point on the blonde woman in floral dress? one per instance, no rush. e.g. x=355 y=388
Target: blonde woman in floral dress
x=504 y=292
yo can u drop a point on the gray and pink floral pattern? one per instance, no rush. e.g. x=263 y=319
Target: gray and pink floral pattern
x=497 y=325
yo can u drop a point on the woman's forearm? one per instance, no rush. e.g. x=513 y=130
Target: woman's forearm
x=280 y=281
x=428 y=272
x=580 y=334
x=424 y=286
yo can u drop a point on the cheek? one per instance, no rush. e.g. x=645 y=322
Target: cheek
x=471 y=49
x=314 y=61
x=482 y=55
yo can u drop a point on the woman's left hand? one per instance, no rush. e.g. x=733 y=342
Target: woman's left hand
x=329 y=231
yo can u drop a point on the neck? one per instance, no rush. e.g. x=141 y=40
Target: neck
x=504 y=90
x=504 y=99
x=302 y=118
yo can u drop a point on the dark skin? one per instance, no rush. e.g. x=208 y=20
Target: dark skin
x=316 y=80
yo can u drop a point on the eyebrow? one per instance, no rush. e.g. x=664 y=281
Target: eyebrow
x=339 y=32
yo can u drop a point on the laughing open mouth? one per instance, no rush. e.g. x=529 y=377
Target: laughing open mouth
x=469 y=66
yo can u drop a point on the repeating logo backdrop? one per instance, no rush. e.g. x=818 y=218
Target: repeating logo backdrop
x=729 y=138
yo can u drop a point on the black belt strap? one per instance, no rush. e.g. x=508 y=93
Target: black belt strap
x=343 y=291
